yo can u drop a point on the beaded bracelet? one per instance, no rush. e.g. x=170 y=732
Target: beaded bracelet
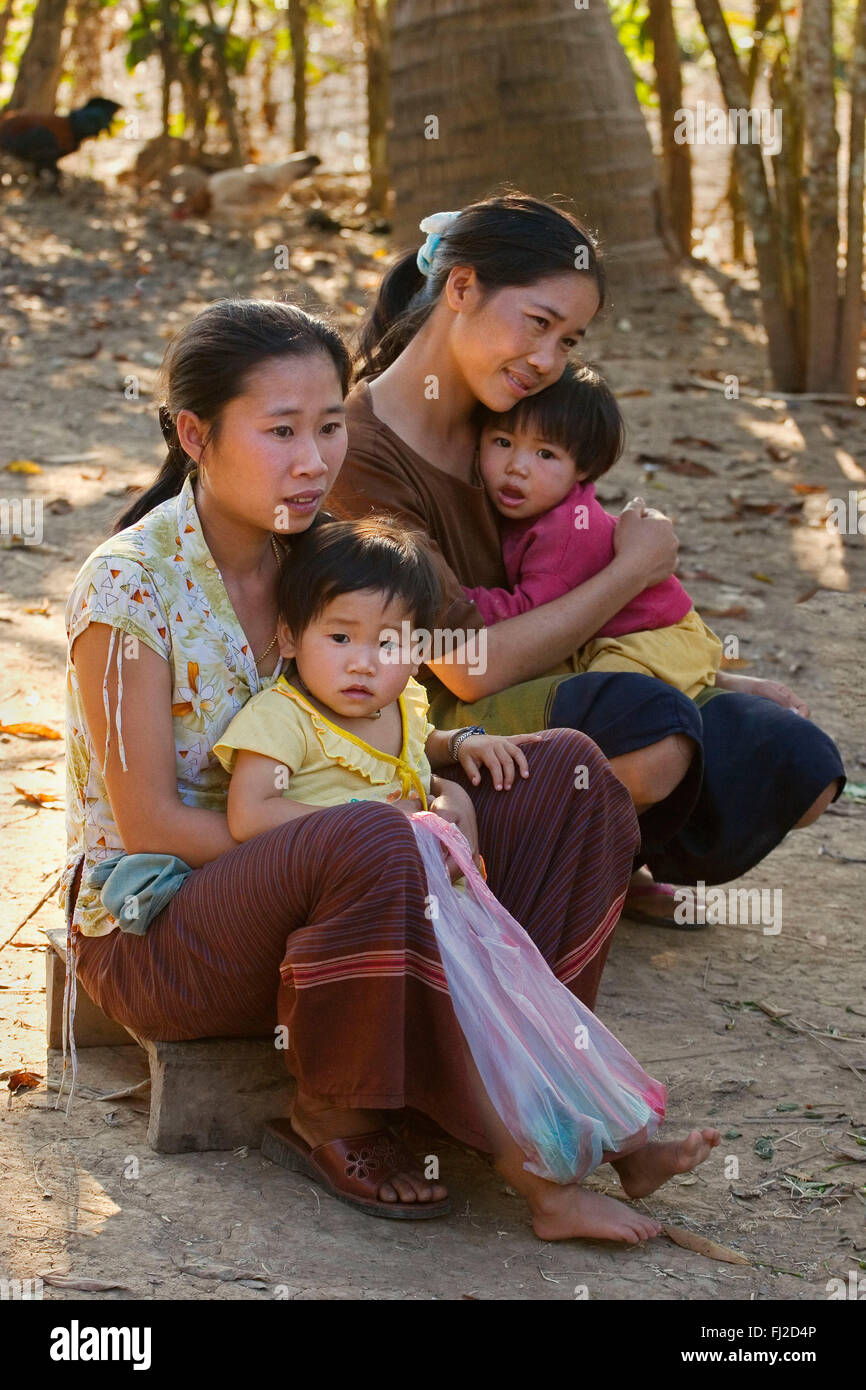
x=461 y=736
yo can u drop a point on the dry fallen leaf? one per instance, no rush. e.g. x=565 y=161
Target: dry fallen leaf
x=22 y=466
x=701 y=1245
x=734 y=663
x=688 y=441
x=686 y=468
x=664 y=960
x=22 y=1080
x=736 y=610
x=29 y=730
x=38 y=798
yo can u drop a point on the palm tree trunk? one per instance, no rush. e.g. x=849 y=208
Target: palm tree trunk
x=535 y=93
x=39 y=70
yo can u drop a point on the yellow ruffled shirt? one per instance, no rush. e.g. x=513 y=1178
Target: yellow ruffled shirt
x=329 y=765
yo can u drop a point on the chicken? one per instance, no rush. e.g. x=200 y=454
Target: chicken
x=41 y=139
x=240 y=197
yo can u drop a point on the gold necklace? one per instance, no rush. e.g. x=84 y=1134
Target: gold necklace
x=270 y=645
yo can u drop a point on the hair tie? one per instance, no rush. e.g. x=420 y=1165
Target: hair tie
x=166 y=424
x=435 y=226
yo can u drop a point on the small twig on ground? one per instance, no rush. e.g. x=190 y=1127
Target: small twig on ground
x=32 y=913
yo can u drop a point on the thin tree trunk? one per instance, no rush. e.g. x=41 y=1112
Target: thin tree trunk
x=375 y=30
x=677 y=159
x=195 y=110
x=227 y=103
x=5 y=17
x=851 y=317
x=764 y=13
x=786 y=94
x=82 y=58
x=267 y=107
x=298 y=36
x=763 y=222
x=822 y=144
x=168 y=58
x=40 y=67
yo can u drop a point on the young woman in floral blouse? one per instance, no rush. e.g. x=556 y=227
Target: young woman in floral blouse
x=319 y=924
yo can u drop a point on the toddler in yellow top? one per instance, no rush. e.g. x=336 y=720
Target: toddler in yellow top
x=347 y=721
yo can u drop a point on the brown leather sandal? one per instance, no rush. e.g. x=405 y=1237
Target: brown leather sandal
x=352 y=1170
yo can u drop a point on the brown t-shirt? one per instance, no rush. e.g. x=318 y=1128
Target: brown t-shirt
x=382 y=473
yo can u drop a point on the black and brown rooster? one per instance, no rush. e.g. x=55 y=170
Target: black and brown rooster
x=40 y=139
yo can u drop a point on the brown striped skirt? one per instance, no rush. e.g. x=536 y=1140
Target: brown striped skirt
x=319 y=925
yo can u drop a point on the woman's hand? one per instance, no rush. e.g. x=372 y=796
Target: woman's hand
x=499 y=754
x=454 y=804
x=771 y=690
x=645 y=543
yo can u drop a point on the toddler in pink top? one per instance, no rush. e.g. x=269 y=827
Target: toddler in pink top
x=538 y=462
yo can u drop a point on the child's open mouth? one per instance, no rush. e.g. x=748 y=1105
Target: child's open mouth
x=510 y=496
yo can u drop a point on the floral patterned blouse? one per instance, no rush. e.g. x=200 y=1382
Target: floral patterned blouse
x=155 y=582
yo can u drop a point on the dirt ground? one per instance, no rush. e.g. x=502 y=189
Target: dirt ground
x=763 y=1035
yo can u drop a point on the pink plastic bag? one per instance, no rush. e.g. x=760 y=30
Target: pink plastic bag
x=564 y=1087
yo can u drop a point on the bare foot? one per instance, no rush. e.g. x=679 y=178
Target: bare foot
x=317 y=1122
x=566 y=1212
x=643 y=1171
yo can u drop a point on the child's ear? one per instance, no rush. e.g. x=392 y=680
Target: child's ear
x=285 y=642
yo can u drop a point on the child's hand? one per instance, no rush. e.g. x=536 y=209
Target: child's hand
x=776 y=691
x=409 y=805
x=454 y=804
x=495 y=752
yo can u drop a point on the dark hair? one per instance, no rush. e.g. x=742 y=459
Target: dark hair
x=343 y=557
x=510 y=239
x=579 y=412
x=207 y=364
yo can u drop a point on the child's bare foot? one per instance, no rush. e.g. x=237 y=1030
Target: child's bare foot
x=643 y=1171
x=565 y=1212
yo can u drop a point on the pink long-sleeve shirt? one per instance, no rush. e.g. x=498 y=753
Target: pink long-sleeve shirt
x=547 y=555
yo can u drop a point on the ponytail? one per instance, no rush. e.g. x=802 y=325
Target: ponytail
x=403 y=303
x=168 y=481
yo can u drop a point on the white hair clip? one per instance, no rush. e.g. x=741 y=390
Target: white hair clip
x=435 y=226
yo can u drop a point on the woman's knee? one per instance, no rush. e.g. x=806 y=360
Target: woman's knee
x=819 y=805
x=369 y=838
x=651 y=774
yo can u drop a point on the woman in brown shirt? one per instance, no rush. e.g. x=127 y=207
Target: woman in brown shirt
x=489 y=310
